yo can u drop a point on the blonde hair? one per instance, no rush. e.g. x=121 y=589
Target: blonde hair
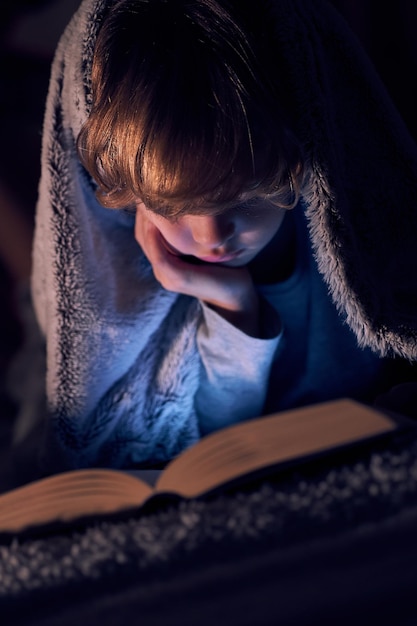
x=185 y=115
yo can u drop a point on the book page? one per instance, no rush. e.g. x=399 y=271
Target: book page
x=218 y=458
x=240 y=449
x=73 y=494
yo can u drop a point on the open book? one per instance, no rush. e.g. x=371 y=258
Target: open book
x=236 y=452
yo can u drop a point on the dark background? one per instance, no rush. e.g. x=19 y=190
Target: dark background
x=29 y=31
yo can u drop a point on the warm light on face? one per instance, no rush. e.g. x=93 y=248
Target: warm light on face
x=232 y=237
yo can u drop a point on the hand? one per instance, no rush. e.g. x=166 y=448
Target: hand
x=228 y=290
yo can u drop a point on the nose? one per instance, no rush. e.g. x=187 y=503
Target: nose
x=211 y=231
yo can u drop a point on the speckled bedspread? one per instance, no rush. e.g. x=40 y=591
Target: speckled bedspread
x=334 y=536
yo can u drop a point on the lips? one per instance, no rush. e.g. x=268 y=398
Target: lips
x=225 y=258
x=210 y=258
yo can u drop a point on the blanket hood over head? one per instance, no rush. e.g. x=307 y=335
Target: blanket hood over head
x=100 y=309
x=363 y=208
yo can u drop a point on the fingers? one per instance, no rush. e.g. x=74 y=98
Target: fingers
x=169 y=270
x=225 y=288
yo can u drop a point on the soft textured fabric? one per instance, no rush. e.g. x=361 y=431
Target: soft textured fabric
x=318 y=358
x=123 y=364
x=234 y=374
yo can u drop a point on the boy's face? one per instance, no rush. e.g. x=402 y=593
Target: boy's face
x=232 y=237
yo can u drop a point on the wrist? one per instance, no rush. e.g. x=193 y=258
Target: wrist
x=245 y=319
x=264 y=323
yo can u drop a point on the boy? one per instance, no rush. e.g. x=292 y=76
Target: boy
x=257 y=162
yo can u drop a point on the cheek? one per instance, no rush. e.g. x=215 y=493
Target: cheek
x=174 y=234
x=266 y=228
x=276 y=221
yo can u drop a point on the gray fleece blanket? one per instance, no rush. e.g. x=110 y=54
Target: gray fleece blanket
x=122 y=358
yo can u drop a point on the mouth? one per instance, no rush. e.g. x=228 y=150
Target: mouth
x=222 y=258
x=210 y=258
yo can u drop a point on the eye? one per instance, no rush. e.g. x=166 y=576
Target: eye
x=249 y=207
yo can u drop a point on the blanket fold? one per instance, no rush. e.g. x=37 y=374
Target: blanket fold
x=122 y=358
